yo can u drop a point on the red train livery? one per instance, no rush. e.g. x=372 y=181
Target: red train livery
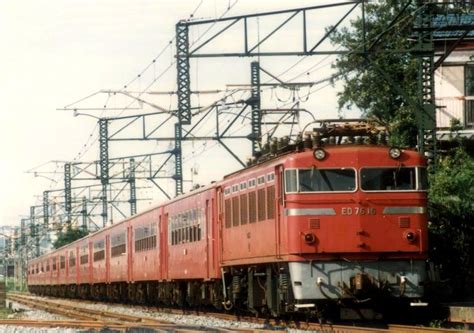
x=342 y=222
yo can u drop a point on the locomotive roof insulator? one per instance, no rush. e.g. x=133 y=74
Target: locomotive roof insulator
x=308 y=142
x=395 y=152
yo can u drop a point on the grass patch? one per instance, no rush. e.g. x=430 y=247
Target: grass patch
x=4 y=312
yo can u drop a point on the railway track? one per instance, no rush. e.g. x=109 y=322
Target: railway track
x=85 y=317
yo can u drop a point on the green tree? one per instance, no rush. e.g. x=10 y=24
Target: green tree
x=69 y=236
x=382 y=83
x=451 y=209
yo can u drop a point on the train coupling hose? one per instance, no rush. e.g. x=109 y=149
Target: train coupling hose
x=403 y=285
x=227 y=305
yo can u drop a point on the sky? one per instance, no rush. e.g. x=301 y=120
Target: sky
x=57 y=52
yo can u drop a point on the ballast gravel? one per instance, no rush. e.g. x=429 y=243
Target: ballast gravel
x=199 y=322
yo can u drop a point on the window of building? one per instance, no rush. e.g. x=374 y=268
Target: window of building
x=469 y=110
x=469 y=80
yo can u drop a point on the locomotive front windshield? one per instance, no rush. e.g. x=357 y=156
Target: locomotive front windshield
x=393 y=179
x=320 y=180
x=344 y=179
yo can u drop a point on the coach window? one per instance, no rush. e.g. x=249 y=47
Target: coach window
x=72 y=259
x=84 y=259
x=62 y=262
x=145 y=238
x=99 y=250
x=54 y=264
x=326 y=180
x=388 y=179
x=118 y=244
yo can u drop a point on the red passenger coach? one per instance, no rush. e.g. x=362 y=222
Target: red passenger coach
x=305 y=226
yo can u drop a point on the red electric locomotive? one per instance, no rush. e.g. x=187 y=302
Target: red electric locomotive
x=307 y=225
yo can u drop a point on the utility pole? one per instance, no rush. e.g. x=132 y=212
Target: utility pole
x=133 y=188
x=426 y=118
x=256 y=122
x=67 y=192
x=104 y=165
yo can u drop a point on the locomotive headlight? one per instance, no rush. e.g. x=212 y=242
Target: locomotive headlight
x=410 y=236
x=309 y=238
x=394 y=152
x=319 y=154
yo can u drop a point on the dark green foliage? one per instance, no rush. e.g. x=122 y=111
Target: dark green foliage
x=69 y=236
x=451 y=209
x=382 y=83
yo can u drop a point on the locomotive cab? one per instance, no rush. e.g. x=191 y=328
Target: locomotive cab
x=356 y=223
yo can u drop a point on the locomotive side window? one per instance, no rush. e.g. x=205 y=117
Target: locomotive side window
x=118 y=244
x=326 y=180
x=388 y=179
x=422 y=179
x=291 y=181
x=99 y=250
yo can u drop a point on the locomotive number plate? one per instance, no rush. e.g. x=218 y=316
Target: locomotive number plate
x=358 y=211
